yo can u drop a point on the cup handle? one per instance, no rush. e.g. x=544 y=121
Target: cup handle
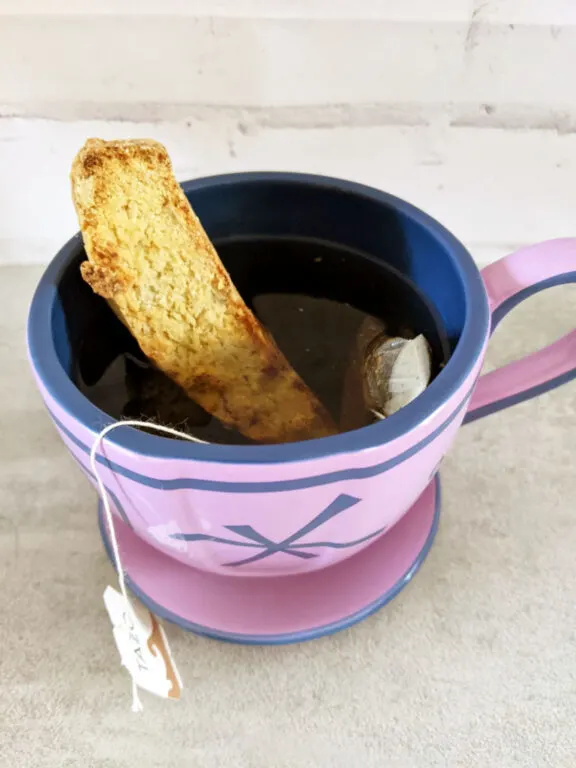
x=508 y=282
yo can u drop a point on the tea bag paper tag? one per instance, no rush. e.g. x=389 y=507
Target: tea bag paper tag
x=141 y=641
x=143 y=646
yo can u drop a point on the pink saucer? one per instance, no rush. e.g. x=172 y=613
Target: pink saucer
x=285 y=609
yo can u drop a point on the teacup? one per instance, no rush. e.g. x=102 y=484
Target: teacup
x=254 y=510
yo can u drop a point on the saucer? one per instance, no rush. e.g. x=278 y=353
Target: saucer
x=282 y=609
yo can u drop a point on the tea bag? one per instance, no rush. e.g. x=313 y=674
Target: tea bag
x=152 y=395
x=395 y=371
x=353 y=411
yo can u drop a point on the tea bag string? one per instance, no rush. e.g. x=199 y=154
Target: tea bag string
x=136 y=703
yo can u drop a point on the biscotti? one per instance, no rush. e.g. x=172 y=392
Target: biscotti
x=150 y=258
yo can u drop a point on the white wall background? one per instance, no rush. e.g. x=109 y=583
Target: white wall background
x=465 y=107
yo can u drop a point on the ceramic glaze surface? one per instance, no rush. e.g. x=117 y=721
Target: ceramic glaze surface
x=288 y=509
x=286 y=610
x=299 y=516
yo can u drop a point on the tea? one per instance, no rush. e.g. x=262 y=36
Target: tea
x=314 y=298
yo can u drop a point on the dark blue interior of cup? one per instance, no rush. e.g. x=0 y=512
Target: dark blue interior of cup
x=362 y=223
x=293 y=208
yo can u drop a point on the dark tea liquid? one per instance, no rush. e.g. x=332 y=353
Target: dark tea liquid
x=316 y=299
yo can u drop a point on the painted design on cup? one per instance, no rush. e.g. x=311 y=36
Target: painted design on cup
x=291 y=545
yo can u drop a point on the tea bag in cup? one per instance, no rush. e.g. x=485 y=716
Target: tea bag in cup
x=354 y=413
x=395 y=371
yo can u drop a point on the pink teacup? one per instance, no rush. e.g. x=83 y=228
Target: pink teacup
x=286 y=509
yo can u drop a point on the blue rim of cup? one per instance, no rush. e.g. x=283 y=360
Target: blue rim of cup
x=61 y=388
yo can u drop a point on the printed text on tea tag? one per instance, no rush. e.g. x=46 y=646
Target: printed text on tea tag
x=143 y=646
